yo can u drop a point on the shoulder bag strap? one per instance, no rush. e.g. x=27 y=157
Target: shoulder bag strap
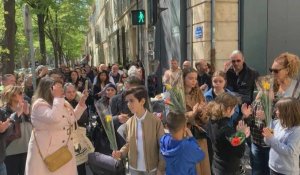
x=38 y=144
x=295 y=89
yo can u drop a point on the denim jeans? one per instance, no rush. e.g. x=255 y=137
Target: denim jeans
x=2 y=169
x=260 y=159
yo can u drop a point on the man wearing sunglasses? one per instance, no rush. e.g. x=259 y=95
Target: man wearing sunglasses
x=241 y=78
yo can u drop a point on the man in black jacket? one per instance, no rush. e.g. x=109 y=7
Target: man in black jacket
x=204 y=79
x=119 y=108
x=241 y=78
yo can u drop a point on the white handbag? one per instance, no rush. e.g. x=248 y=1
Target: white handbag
x=82 y=145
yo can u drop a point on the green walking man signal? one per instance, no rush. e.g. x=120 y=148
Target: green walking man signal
x=138 y=17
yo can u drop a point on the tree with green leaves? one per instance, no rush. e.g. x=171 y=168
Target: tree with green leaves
x=66 y=28
x=40 y=8
x=9 y=38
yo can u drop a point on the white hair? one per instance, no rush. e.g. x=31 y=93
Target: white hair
x=133 y=71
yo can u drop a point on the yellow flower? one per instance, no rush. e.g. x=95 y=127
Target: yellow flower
x=266 y=85
x=108 y=118
x=168 y=87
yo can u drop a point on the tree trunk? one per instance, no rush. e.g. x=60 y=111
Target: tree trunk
x=60 y=54
x=42 y=41
x=55 y=54
x=9 y=37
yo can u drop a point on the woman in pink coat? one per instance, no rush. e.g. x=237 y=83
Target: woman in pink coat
x=52 y=118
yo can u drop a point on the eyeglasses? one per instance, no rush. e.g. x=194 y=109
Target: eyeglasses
x=275 y=70
x=236 y=61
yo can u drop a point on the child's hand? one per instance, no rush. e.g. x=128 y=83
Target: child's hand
x=116 y=154
x=246 y=110
x=247 y=132
x=195 y=108
x=242 y=127
x=267 y=133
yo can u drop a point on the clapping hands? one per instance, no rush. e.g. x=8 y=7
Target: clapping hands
x=267 y=133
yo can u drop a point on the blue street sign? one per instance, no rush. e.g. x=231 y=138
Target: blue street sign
x=199 y=32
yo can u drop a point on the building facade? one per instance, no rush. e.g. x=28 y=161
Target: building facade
x=193 y=30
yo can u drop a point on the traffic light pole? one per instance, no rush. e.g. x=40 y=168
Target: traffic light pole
x=145 y=43
x=138 y=35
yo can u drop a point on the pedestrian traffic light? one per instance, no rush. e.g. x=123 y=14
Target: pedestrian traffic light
x=138 y=17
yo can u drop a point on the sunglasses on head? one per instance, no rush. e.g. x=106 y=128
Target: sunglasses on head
x=275 y=70
x=234 y=61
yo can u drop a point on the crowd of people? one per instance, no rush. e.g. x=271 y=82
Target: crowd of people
x=220 y=104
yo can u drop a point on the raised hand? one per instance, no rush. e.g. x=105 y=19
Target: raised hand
x=83 y=98
x=20 y=108
x=26 y=109
x=57 y=90
x=260 y=114
x=246 y=110
x=242 y=127
x=4 y=125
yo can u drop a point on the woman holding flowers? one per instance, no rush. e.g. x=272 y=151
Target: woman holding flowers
x=285 y=69
x=100 y=138
x=195 y=103
x=228 y=142
x=272 y=88
x=143 y=132
x=285 y=140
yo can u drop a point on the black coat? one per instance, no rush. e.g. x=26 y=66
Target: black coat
x=204 y=79
x=10 y=133
x=99 y=136
x=118 y=105
x=84 y=119
x=227 y=158
x=243 y=83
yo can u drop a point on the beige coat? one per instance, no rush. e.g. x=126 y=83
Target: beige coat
x=51 y=127
x=153 y=130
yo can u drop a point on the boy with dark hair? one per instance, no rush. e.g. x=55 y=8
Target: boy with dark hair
x=180 y=148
